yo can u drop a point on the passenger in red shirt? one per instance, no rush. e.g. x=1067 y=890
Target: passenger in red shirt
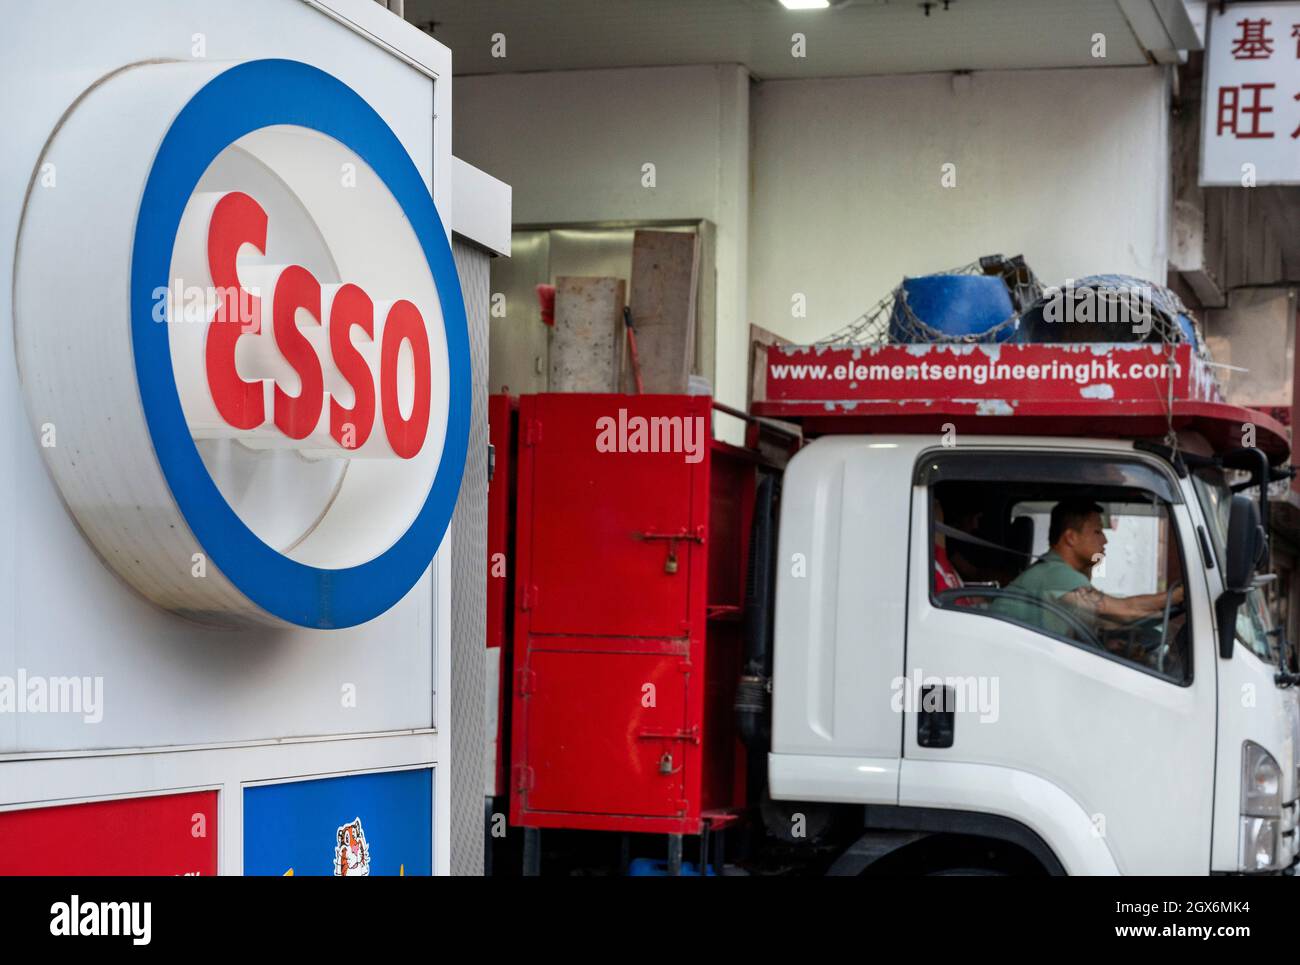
x=945 y=576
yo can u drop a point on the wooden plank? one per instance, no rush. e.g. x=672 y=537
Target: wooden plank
x=665 y=276
x=588 y=336
x=759 y=339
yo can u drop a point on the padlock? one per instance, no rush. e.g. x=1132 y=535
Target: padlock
x=670 y=564
x=666 y=764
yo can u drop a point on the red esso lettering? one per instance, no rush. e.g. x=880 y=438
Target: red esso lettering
x=238 y=220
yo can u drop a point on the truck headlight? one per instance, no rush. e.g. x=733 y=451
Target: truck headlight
x=1261 y=782
x=1261 y=808
x=1258 y=844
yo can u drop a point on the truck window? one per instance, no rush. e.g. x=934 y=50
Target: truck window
x=1093 y=565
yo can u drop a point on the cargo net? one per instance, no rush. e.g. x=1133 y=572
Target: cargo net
x=893 y=320
x=1100 y=308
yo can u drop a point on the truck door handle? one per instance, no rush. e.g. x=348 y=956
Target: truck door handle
x=935 y=718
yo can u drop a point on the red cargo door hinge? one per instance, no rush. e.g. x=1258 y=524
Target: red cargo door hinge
x=523 y=778
x=533 y=432
x=689 y=734
x=525 y=682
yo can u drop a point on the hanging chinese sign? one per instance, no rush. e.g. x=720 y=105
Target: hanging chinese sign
x=1250 y=127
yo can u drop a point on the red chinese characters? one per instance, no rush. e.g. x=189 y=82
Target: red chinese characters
x=1236 y=107
x=1253 y=43
x=1241 y=107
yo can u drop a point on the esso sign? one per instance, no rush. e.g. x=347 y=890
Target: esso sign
x=377 y=354
x=266 y=419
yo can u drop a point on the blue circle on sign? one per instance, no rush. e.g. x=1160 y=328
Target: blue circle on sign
x=243 y=99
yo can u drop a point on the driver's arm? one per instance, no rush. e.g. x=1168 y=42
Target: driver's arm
x=1123 y=609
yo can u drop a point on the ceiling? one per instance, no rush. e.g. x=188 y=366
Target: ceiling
x=854 y=37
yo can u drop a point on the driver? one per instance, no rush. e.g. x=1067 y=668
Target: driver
x=1063 y=575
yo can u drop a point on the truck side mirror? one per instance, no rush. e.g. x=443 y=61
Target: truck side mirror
x=1247 y=544
x=1246 y=550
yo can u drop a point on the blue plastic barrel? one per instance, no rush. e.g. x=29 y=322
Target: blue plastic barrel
x=954 y=305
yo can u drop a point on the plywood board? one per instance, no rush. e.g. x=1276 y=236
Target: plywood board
x=665 y=275
x=588 y=337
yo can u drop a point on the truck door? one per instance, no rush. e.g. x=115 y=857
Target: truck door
x=1019 y=702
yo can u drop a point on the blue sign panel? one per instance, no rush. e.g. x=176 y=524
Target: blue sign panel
x=366 y=824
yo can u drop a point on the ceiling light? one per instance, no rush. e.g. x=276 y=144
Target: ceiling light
x=805 y=4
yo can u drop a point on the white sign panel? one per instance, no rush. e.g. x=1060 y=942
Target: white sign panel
x=242 y=342
x=1250 y=126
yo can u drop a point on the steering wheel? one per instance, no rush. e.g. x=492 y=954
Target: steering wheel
x=1148 y=623
x=1084 y=631
x=1157 y=620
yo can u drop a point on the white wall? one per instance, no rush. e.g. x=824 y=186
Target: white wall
x=572 y=144
x=1068 y=167
x=835 y=192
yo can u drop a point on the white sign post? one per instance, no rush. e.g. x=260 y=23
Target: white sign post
x=1250 y=125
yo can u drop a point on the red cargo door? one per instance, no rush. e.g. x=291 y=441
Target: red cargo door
x=605 y=733
x=601 y=522
x=610 y=604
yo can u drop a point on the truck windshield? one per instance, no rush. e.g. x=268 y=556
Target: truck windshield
x=1253 y=621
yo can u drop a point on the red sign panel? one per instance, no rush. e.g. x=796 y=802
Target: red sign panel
x=997 y=375
x=173 y=834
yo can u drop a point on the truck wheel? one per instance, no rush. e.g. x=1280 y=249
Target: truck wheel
x=963 y=872
x=951 y=855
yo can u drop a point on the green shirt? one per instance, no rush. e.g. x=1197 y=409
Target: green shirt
x=1049 y=579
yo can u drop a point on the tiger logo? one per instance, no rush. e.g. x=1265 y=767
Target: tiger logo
x=351 y=853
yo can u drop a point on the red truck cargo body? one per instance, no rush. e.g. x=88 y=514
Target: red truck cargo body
x=502 y=410
x=630 y=569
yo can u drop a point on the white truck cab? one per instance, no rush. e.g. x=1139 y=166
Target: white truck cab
x=984 y=727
